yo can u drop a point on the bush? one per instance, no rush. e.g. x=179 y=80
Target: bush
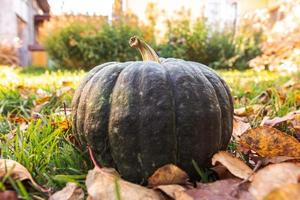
x=85 y=46
x=8 y=54
x=217 y=49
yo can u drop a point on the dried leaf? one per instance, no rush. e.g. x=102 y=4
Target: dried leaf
x=279 y=159
x=239 y=127
x=71 y=192
x=222 y=172
x=270 y=142
x=42 y=100
x=17 y=172
x=67 y=83
x=278 y=120
x=247 y=111
x=17 y=119
x=103 y=185
x=292 y=83
x=168 y=174
x=25 y=91
x=170 y=190
x=236 y=166
x=286 y=192
x=64 y=125
x=9 y=195
x=229 y=189
x=273 y=176
x=264 y=97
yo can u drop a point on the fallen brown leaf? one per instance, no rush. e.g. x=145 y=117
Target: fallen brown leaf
x=17 y=172
x=277 y=120
x=273 y=176
x=67 y=83
x=64 y=125
x=42 y=100
x=249 y=110
x=170 y=190
x=222 y=172
x=168 y=174
x=287 y=192
x=264 y=97
x=270 y=142
x=9 y=195
x=228 y=189
x=103 y=185
x=17 y=119
x=236 y=166
x=25 y=91
x=292 y=83
x=71 y=192
x=279 y=159
x=239 y=127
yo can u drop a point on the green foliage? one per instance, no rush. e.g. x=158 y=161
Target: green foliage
x=81 y=45
x=12 y=102
x=217 y=49
x=45 y=151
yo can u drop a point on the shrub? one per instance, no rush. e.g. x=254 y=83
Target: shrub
x=85 y=46
x=8 y=54
x=217 y=49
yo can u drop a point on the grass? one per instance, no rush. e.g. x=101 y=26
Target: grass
x=33 y=119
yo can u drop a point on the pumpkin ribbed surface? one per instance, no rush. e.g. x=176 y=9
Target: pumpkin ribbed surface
x=139 y=116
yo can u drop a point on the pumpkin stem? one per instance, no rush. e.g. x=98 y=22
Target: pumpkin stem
x=146 y=51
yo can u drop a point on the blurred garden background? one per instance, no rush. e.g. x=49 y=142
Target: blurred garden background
x=47 y=46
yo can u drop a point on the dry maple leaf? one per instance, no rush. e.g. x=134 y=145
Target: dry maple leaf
x=273 y=176
x=168 y=174
x=270 y=142
x=236 y=166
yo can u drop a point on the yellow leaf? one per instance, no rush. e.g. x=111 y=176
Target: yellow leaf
x=64 y=125
x=270 y=142
x=67 y=83
x=42 y=100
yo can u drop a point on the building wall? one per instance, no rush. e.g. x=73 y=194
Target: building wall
x=17 y=25
x=8 y=26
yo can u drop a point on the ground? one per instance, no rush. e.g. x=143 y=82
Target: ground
x=35 y=119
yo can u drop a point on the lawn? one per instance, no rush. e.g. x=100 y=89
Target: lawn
x=35 y=119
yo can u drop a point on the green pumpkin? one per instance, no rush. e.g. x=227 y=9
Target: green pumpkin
x=139 y=116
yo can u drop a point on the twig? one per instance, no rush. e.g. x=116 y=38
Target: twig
x=96 y=164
